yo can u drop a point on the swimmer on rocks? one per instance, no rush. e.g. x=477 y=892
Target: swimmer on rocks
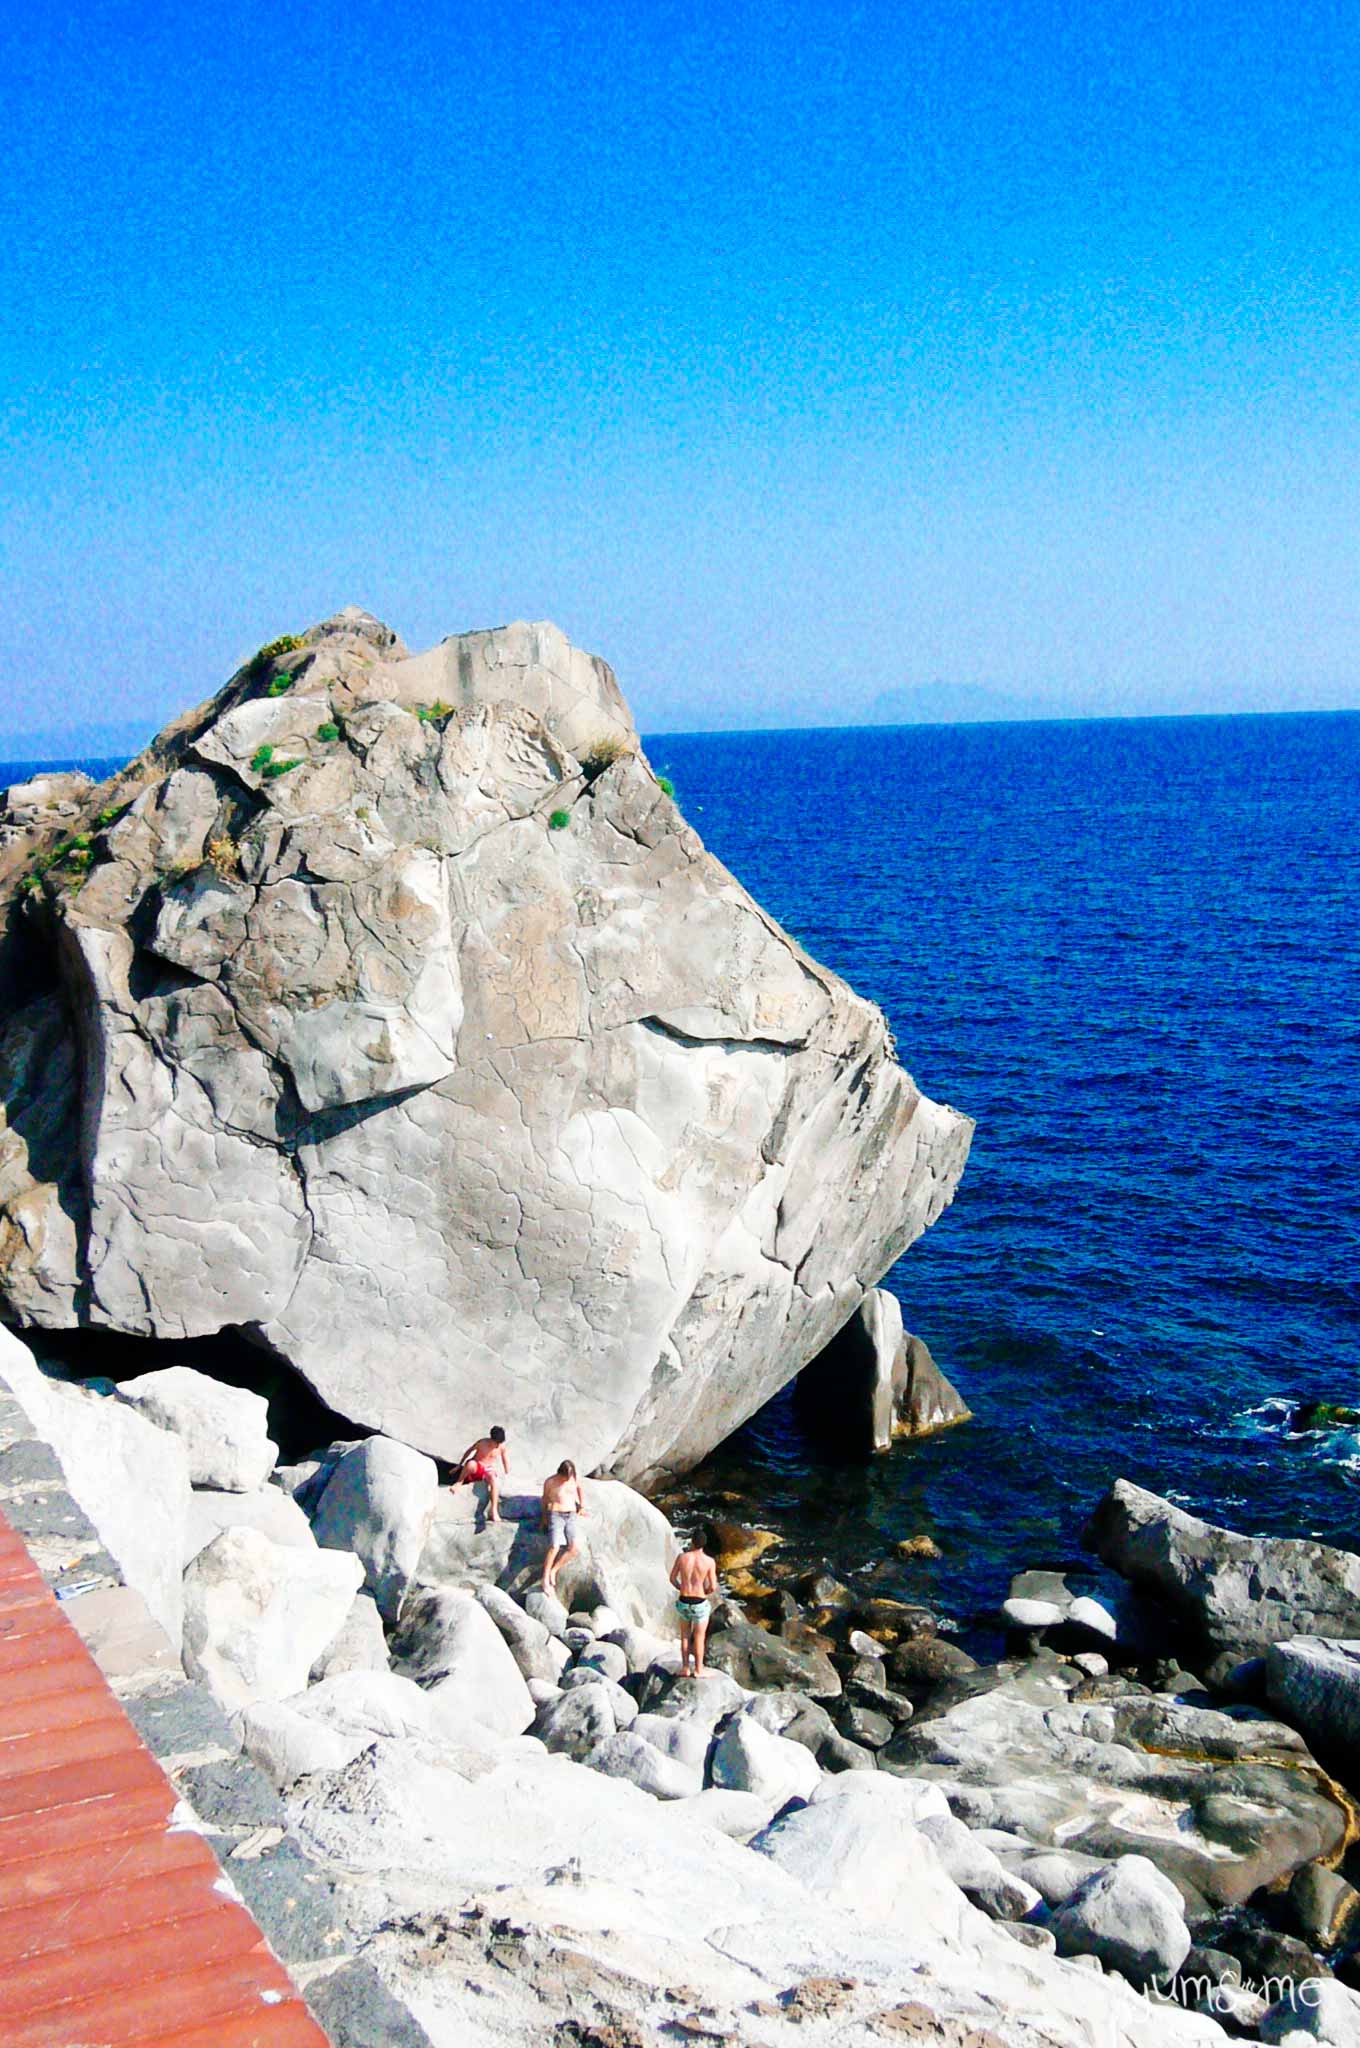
x=563 y=1505
x=694 y=1576
x=478 y=1464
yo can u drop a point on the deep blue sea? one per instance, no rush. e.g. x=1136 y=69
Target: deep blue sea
x=1130 y=950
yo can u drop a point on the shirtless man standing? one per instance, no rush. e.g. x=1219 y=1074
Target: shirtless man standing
x=478 y=1466
x=563 y=1503
x=695 y=1579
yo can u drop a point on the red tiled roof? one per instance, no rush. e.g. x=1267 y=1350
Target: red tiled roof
x=117 y=1929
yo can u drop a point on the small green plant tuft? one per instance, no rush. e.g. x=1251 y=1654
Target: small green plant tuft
x=434 y=714
x=281 y=684
x=559 y=821
x=287 y=643
x=273 y=769
x=328 y=731
x=261 y=759
x=112 y=815
x=666 y=786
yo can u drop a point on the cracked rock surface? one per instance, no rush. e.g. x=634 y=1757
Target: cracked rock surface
x=388 y=1010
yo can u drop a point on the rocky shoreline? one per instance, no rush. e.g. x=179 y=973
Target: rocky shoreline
x=529 y=1827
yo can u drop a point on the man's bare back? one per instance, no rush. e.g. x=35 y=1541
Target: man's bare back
x=695 y=1576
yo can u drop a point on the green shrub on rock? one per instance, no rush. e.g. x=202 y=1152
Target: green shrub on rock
x=287 y=643
x=559 y=820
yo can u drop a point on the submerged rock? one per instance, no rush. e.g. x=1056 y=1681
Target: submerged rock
x=412 y=1031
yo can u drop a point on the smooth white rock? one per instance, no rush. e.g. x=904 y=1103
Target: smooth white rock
x=450 y=1643
x=1130 y=1916
x=359 y=1646
x=288 y=1745
x=537 y=1653
x=257 y=1616
x=379 y=1502
x=747 y=1758
x=224 y=1430
x=274 y=1513
x=627 y=1756
x=1031 y=1613
x=131 y=1478
x=1321 y=2010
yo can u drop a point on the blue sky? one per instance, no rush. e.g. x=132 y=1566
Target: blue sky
x=799 y=359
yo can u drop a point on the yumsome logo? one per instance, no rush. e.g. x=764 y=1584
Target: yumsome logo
x=1204 y=1994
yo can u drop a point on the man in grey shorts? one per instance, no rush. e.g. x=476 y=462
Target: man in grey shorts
x=563 y=1503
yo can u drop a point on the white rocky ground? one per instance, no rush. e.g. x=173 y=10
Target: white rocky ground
x=539 y=1832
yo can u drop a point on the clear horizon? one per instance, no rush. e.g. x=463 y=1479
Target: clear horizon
x=812 y=367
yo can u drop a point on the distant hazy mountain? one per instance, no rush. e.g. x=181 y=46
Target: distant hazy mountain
x=942 y=703
x=74 y=743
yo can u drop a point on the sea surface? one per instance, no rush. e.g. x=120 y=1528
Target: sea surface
x=1131 y=951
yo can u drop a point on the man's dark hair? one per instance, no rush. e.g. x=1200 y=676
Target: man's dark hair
x=701 y=1537
x=498 y=1435
x=566 y=1470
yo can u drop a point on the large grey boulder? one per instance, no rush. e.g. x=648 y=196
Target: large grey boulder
x=131 y=1478
x=394 y=1013
x=926 y=1401
x=1237 y=1593
x=1315 y=1682
x=977 y=1871
x=288 y=1744
x=258 y=1615
x=1128 y=1916
x=449 y=1644
x=378 y=1502
x=688 y=1741
x=224 y=1430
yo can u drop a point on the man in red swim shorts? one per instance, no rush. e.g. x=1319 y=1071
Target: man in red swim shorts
x=478 y=1465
